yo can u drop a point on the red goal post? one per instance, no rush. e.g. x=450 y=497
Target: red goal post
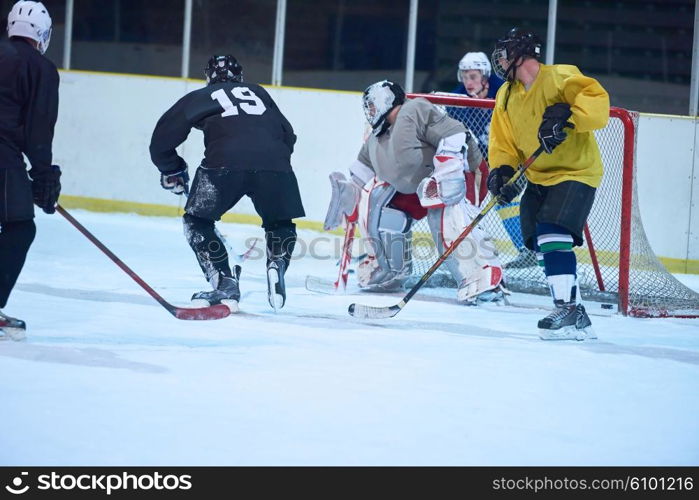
x=616 y=265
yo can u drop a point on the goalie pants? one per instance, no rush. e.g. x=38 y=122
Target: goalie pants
x=275 y=196
x=17 y=229
x=566 y=204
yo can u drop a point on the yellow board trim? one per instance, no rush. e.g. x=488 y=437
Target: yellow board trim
x=152 y=209
x=673 y=265
x=683 y=266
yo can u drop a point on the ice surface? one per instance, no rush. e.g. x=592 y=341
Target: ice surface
x=107 y=376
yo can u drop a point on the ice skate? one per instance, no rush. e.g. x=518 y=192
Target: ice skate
x=226 y=292
x=525 y=258
x=12 y=328
x=276 y=289
x=567 y=322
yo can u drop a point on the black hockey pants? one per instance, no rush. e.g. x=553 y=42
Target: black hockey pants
x=15 y=240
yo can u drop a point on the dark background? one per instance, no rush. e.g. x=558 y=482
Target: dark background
x=640 y=50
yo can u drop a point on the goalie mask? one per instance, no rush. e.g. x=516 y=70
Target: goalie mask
x=518 y=43
x=223 y=69
x=474 y=60
x=379 y=99
x=30 y=20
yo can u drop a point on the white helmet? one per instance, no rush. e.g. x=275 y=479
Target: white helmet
x=379 y=99
x=474 y=60
x=30 y=20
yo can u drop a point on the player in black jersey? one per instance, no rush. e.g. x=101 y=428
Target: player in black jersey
x=28 y=111
x=248 y=145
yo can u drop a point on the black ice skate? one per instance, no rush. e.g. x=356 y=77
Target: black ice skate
x=276 y=290
x=525 y=258
x=226 y=292
x=567 y=322
x=12 y=328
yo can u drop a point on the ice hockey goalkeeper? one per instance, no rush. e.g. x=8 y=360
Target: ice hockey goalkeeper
x=412 y=165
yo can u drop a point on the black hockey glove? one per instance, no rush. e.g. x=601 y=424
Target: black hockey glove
x=175 y=181
x=46 y=187
x=555 y=119
x=497 y=180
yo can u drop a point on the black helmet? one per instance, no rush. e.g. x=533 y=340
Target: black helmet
x=517 y=43
x=223 y=69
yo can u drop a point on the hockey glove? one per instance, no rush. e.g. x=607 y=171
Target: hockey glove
x=175 y=181
x=46 y=187
x=497 y=184
x=555 y=119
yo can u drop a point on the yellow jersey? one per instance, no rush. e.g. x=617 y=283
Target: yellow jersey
x=514 y=130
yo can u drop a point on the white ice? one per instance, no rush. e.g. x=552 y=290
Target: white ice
x=108 y=377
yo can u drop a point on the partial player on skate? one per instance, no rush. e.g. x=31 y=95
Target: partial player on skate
x=28 y=112
x=249 y=144
x=557 y=108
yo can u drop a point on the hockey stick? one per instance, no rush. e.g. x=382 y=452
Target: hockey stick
x=371 y=312
x=199 y=313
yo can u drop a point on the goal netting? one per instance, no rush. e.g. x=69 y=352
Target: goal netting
x=616 y=264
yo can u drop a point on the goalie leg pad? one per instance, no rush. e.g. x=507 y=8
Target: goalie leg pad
x=387 y=239
x=482 y=286
x=477 y=252
x=343 y=200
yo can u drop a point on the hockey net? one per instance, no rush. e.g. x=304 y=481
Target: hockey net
x=616 y=264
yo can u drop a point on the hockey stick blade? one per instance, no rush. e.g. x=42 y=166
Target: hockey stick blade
x=369 y=312
x=198 y=313
x=218 y=311
x=320 y=285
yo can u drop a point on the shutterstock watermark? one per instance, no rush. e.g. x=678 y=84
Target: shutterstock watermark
x=419 y=247
x=106 y=483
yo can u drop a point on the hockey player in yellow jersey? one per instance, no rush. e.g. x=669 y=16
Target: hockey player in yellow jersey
x=559 y=108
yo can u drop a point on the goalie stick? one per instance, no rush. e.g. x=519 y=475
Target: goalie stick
x=321 y=285
x=346 y=256
x=192 y=313
x=371 y=312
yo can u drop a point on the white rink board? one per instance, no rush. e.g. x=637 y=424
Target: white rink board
x=106 y=121
x=666 y=173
